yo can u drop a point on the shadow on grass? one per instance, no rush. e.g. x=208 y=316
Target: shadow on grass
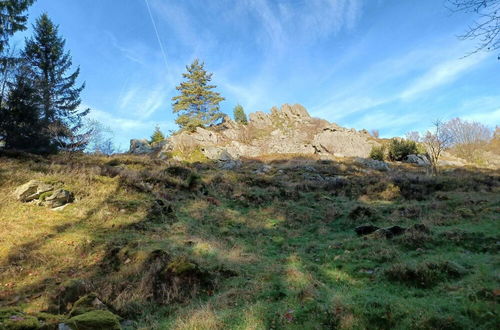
x=269 y=238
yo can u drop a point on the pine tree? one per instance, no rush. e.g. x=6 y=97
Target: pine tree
x=57 y=93
x=13 y=18
x=197 y=104
x=20 y=120
x=239 y=115
x=157 y=135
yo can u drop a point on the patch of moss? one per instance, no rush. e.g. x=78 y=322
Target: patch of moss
x=98 y=319
x=15 y=319
x=191 y=157
x=44 y=196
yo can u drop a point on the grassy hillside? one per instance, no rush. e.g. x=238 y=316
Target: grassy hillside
x=270 y=245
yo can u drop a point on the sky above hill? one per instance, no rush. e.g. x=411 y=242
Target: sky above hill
x=390 y=65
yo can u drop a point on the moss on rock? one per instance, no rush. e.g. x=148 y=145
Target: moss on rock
x=97 y=319
x=86 y=304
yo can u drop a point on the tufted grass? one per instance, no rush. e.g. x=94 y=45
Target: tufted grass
x=280 y=246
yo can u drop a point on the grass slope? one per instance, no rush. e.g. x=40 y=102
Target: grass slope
x=190 y=246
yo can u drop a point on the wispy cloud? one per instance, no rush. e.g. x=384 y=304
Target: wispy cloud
x=301 y=23
x=401 y=78
x=144 y=101
x=441 y=74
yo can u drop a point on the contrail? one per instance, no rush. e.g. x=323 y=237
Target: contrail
x=157 y=34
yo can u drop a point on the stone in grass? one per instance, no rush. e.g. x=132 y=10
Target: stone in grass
x=97 y=319
x=32 y=190
x=59 y=198
x=365 y=229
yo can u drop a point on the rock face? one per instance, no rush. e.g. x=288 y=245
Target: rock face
x=288 y=130
x=140 y=146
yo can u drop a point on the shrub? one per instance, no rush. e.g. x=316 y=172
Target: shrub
x=378 y=153
x=400 y=148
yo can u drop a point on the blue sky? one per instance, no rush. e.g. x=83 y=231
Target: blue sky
x=392 y=65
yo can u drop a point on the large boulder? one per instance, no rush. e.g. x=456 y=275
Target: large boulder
x=341 y=142
x=32 y=190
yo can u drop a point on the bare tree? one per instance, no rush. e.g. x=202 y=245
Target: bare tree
x=413 y=136
x=436 y=141
x=375 y=133
x=486 y=29
x=100 y=139
x=467 y=137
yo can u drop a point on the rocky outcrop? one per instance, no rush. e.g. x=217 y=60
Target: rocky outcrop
x=140 y=146
x=288 y=130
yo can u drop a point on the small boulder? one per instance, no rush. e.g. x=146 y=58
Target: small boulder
x=58 y=198
x=365 y=229
x=420 y=160
x=32 y=190
x=97 y=319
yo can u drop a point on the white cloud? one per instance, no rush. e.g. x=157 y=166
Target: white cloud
x=370 y=89
x=441 y=74
x=288 y=24
x=490 y=118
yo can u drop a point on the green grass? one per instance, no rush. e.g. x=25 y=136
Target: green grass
x=237 y=250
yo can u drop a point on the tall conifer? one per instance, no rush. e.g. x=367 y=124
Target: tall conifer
x=57 y=92
x=197 y=104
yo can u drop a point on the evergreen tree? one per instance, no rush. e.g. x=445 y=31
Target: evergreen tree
x=239 y=115
x=197 y=104
x=57 y=93
x=13 y=18
x=157 y=135
x=20 y=120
